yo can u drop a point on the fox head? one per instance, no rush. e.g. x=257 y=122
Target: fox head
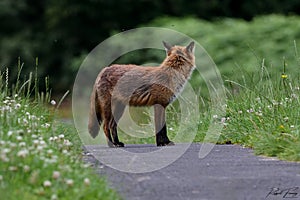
x=184 y=54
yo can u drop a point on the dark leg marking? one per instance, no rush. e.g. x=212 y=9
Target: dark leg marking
x=117 y=110
x=160 y=126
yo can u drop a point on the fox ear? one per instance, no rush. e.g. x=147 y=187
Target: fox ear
x=191 y=47
x=167 y=46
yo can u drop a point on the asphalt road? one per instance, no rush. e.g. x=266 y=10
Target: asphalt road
x=227 y=172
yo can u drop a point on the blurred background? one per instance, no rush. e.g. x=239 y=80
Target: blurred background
x=60 y=33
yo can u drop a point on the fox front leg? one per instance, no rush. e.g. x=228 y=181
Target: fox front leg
x=160 y=126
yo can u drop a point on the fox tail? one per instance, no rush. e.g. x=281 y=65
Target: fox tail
x=95 y=118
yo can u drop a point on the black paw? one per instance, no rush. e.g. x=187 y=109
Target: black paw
x=166 y=143
x=119 y=144
x=115 y=144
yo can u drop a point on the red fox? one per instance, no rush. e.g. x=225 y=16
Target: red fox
x=119 y=85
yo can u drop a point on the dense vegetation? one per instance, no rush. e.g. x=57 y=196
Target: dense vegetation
x=58 y=32
x=237 y=44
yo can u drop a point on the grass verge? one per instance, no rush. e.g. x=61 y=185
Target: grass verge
x=40 y=158
x=262 y=112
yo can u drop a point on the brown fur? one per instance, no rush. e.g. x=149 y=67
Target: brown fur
x=119 y=85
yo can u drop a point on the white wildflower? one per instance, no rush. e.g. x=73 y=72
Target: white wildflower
x=8 y=108
x=46 y=125
x=69 y=182
x=36 y=142
x=50 y=152
x=223 y=120
x=47 y=183
x=53 y=102
x=42 y=142
x=4 y=158
x=39 y=148
x=67 y=143
x=26 y=168
x=22 y=144
x=294 y=96
x=6 y=150
x=19 y=138
x=9 y=133
x=56 y=175
x=259 y=113
x=251 y=110
x=54 y=159
x=65 y=151
x=12 y=145
x=12 y=168
x=23 y=153
x=25 y=121
x=17 y=106
x=87 y=181
x=33 y=117
x=54 y=197
x=61 y=136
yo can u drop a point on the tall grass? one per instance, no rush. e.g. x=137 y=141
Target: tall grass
x=265 y=114
x=262 y=112
x=40 y=158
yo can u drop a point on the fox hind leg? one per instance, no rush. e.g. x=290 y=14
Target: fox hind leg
x=106 y=129
x=117 y=110
x=107 y=118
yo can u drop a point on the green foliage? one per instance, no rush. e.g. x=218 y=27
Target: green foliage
x=240 y=46
x=60 y=31
x=40 y=158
